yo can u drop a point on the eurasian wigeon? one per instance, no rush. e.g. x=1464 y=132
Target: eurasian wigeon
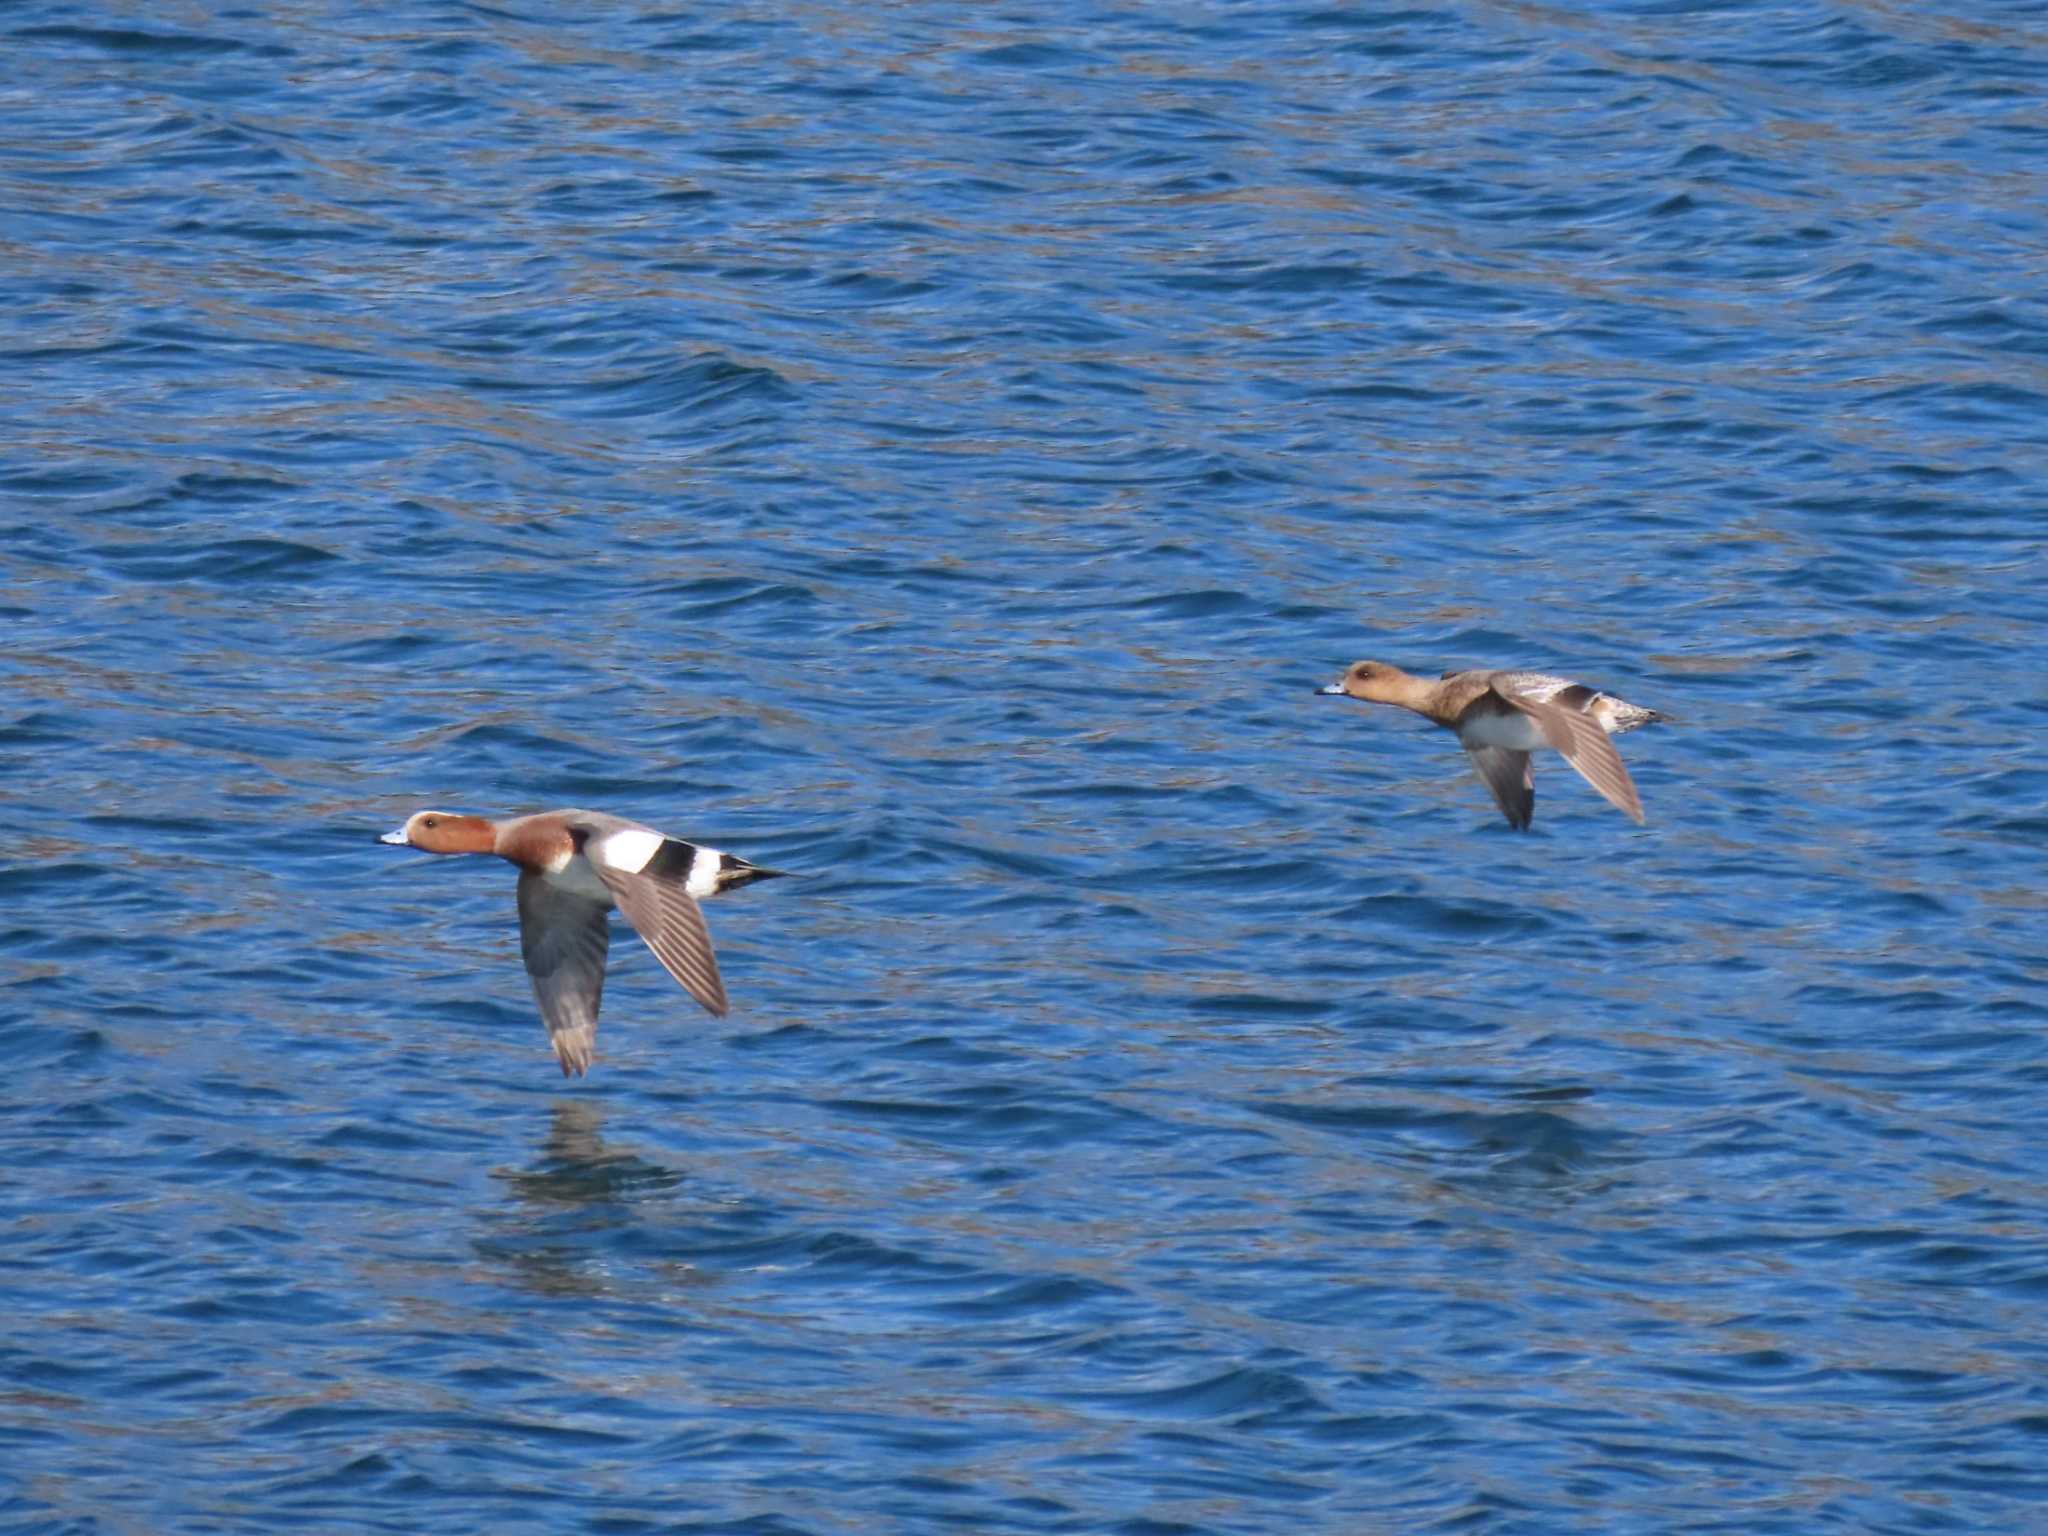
x=1501 y=717
x=574 y=867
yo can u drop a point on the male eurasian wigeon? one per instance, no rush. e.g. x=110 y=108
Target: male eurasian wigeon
x=574 y=867
x=1501 y=717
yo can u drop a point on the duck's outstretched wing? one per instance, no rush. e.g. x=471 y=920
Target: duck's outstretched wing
x=667 y=917
x=564 y=939
x=1512 y=779
x=1583 y=741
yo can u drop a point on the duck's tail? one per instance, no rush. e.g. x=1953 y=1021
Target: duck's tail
x=1623 y=716
x=734 y=872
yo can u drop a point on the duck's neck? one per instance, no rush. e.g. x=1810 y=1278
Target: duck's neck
x=1410 y=692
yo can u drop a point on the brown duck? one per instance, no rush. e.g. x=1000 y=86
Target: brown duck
x=1502 y=717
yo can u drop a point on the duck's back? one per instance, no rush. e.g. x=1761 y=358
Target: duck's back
x=1614 y=714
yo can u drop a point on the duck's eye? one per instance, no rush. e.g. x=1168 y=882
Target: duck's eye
x=431 y=821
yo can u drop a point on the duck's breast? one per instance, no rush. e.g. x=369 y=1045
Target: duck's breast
x=1499 y=726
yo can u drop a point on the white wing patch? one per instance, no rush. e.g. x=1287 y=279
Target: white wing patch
x=630 y=850
x=704 y=869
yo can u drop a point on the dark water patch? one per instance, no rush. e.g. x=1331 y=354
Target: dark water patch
x=1532 y=1138
x=1194 y=605
x=48 y=876
x=1230 y=1395
x=157 y=44
x=266 y=234
x=710 y=597
x=79 y=481
x=263 y=1302
x=223 y=562
x=1033 y=1298
x=705 y=384
x=1436 y=916
x=991 y=1115
x=1263 y=1007
x=37 y=730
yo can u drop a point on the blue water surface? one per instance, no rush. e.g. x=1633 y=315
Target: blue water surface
x=938 y=450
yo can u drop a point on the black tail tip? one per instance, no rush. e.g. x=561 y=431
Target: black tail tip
x=739 y=872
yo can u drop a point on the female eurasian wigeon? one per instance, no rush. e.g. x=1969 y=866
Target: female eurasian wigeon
x=574 y=867
x=1501 y=717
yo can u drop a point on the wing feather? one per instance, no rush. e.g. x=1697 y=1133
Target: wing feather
x=1585 y=745
x=564 y=938
x=1512 y=778
x=668 y=919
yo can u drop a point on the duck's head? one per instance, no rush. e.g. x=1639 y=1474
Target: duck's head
x=443 y=832
x=1374 y=680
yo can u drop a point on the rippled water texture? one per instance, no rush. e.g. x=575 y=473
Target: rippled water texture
x=939 y=450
